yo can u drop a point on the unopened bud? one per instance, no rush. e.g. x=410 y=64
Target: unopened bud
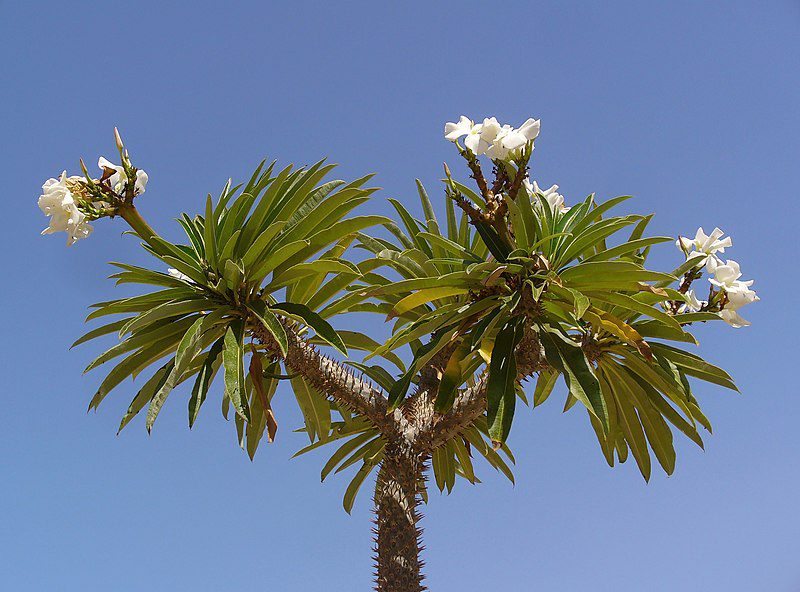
x=118 y=139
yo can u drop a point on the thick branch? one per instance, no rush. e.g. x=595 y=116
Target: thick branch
x=471 y=402
x=330 y=377
x=419 y=416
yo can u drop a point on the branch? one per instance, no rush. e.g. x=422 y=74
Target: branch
x=500 y=178
x=519 y=177
x=329 y=377
x=418 y=415
x=131 y=215
x=477 y=173
x=471 y=402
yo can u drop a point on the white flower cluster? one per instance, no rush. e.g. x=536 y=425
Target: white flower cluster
x=722 y=275
x=118 y=179
x=498 y=142
x=58 y=202
x=553 y=198
x=67 y=202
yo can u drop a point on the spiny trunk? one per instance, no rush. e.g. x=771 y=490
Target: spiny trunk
x=397 y=534
x=331 y=378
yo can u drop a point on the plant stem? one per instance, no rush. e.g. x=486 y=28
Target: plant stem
x=131 y=215
x=398 y=566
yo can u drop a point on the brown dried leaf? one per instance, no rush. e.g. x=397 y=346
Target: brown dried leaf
x=652 y=289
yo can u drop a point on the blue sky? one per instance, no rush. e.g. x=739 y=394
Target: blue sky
x=691 y=107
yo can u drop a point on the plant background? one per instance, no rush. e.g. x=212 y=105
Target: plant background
x=691 y=107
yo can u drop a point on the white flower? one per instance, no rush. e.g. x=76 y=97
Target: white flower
x=178 y=275
x=497 y=151
x=141 y=182
x=551 y=196
x=520 y=136
x=118 y=175
x=737 y=292
x=704 y=244
x=453 y=131
x=58 y=202
x=737 y=296
x=118 y=179
x=509 y=140
x=478 y=136
x=734 y=319
x=726 y=275
x=693 y=304
x=490 y=138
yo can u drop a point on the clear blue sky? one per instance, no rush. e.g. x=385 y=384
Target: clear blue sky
x=692 y=107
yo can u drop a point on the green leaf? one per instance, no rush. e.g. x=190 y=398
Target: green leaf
x=344 y=450
x=204 y=378
x=500 y=392
x=567 y=357
x=264 y=266
x=131 y=365
x=450 y=246
x=264 y=240
x=270 y=323
x=209 y=233
x=188 y=348
x=690 y=263
x=314 y=407
x=164 y=329
x=320 y=326
x=695 y=366
x=628 y=247
x=233 y=362
x=164 y=311
x=492 y=240
x=656 y=429
x=421 y=297
x=452 y=377
x=588 y=273
x=400 y=387
x=352 y=489
x=628 y=303
x=361 y=342
x=100 y=331
x=632 y=428
x=146 y=393
x=544 y=386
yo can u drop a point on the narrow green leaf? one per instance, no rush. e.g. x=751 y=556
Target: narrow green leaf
x=352 y=489
x=320 y=326
x=233 y=362
x=146 y=393
x=271 y=323
x=500 y=392
x=204 y=378
x=567 y=357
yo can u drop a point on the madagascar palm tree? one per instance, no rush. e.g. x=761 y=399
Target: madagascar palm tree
x=513 y=286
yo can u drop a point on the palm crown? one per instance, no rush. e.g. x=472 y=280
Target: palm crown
x=512 y=285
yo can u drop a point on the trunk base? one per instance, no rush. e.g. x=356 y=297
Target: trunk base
x=397 y=534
